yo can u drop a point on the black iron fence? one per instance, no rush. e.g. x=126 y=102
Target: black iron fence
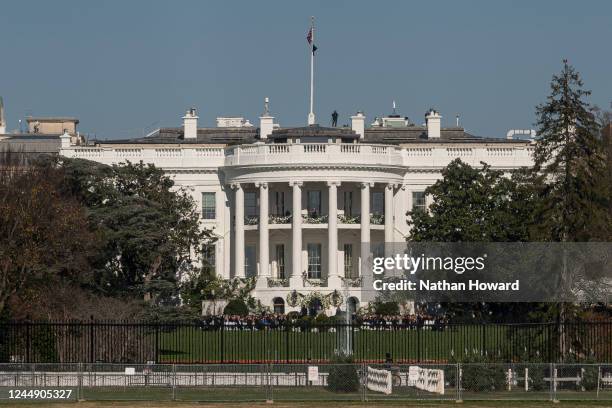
x=195 y=342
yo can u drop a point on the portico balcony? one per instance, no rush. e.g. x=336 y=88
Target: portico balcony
x=313 y=153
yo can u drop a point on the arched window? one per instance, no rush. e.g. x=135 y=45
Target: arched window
x=278 y=305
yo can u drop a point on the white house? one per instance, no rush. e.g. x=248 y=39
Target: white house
x=293 y=206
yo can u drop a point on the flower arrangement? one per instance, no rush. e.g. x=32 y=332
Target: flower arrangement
x=349 y=219
x=254 y=220
x=280 y=219
x=278 y=282
x=313 y=281
x=314 y=219
x=377 y=219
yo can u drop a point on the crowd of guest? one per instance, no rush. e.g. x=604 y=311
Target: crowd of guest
x=370 y=321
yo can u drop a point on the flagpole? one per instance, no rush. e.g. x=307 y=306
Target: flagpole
x=311 y=115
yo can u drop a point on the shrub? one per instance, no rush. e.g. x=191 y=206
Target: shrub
x=236 y=307
x=343 y=376
x=386 y=308
x=482 y=376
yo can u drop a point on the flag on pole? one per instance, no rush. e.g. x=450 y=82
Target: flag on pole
x=309 y=39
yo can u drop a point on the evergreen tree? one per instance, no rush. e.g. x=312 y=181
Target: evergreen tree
x=569 y=156
x=570 y=160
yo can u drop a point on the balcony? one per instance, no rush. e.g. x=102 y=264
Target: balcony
x=313 y=153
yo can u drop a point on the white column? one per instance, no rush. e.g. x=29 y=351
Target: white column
x=365 y=249
x=389 y=213
x=365 y=213
x=296 y=243
x=239 y=231
x=264 y=241
x=332 y=231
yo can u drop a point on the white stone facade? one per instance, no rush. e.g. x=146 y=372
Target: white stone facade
x=343 y=193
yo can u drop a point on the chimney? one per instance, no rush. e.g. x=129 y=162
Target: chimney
x=190 y=124
x=432 y=121
x=266 y=122
x=65 y=140
x=358 y=124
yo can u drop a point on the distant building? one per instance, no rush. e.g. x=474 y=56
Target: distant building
x=42 y=136
x=52 y=125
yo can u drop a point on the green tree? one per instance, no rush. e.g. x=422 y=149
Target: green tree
x=149 y=229
x=569 y=155
x=475 y=205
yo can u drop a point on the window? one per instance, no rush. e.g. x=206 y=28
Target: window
x=348 y=203
x=279 y=305
x=250 y=204
x=314 y=261
x=250 y=261
x=279 y=203
x=348 y=261
x=209 y=259
x=280 y=261
x=418 y=201
x=209 y=206
x=378 y=203
x=314 y=203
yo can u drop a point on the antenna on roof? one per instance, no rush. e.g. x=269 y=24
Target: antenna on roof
x=457 y=117
x=394 y=107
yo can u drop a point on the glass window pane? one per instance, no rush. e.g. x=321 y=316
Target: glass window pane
x=348 y=203
x=209 y=206
x=378 y=203
x=348 y=260
x=280 y=261
x=314 y=202
x=250 y=204
x=314 y=261
x=418 y=201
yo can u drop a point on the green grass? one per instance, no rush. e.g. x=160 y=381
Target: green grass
x=194 y=345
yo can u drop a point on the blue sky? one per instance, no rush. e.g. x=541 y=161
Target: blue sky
x=123 y=67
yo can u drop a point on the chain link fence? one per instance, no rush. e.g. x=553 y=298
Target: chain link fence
x=305 y=382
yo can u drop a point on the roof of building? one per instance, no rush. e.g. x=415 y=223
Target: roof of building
x=313 y=131
x=51 y=119
x=246 y=135
x=221 y=135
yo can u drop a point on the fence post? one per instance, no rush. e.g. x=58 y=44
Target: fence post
x=173 y=382
x=80 y=383
x=553 y=382
x=91 y=339
x=156 y=342
x=222 y=348
x=28 y=341
x=458 y=381
x=364 y=382
x=287 y=342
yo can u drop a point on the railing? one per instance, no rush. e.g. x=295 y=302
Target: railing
x=307 y=153
x=247 y=341
x=312 y=153
x=365 y=382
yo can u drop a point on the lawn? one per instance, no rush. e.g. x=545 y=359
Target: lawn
x=191 y=344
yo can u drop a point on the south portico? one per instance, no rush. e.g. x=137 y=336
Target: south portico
x=320 y=249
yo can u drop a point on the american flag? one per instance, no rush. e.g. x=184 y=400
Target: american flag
x=309 y=36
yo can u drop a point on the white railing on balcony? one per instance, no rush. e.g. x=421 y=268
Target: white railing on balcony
x=416 y=157
x=313 y=153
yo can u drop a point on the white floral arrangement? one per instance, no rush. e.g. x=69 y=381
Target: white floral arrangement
x=349 y=219
x=280 y=219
